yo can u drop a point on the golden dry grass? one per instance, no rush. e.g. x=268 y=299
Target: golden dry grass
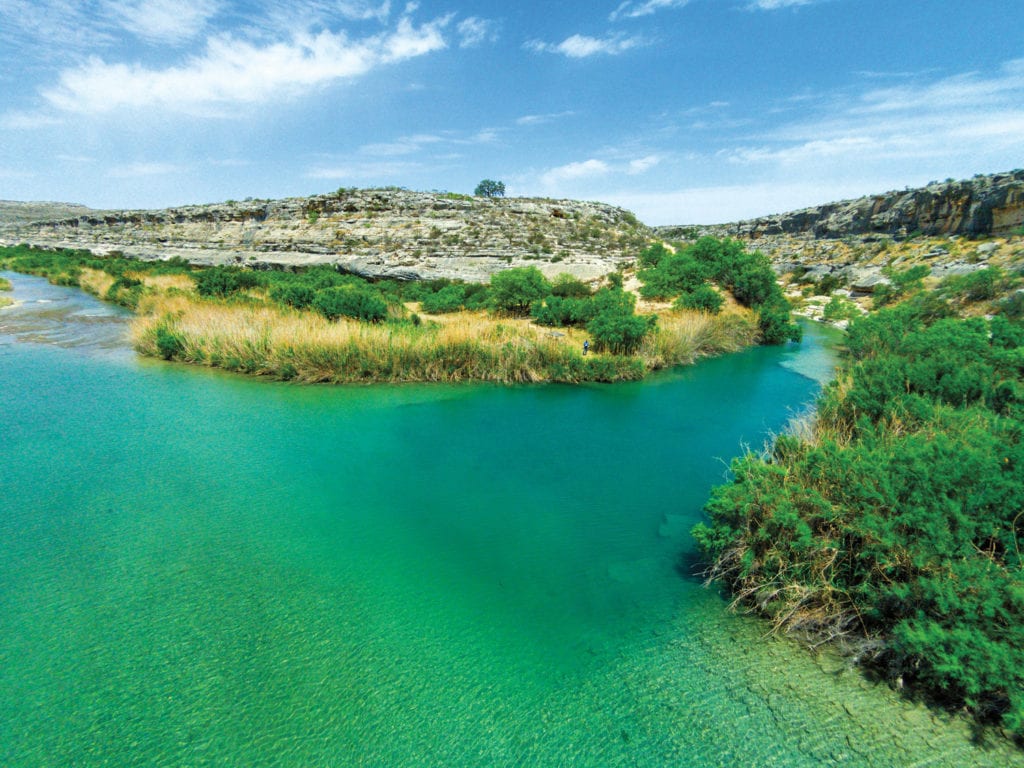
x=95 y=281
x=303 y=346
x=163 y=283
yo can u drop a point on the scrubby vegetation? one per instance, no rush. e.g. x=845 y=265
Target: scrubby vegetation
x=892 y=526
x=322 y=325
x=686 y=274
x=5 y=285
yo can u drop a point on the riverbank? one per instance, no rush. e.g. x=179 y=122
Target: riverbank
x=248 y=323
x=890 y=528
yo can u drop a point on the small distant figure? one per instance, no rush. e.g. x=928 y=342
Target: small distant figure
x=586 y=346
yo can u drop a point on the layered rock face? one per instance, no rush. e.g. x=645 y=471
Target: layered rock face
x=984 y=205
x=376 y=233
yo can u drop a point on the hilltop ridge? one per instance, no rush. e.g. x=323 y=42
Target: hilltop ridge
x=392 y=233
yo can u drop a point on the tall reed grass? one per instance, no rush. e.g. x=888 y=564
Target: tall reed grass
x=305 y=347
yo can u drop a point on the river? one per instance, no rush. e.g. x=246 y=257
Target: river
x=204 y=569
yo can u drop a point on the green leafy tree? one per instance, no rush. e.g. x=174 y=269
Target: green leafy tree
x=514 y=290
x=490 y=188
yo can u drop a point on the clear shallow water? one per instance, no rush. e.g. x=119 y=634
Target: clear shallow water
x=202 y=569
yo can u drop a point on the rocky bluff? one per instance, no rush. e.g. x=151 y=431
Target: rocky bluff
x=375 y=233
x=984 y=205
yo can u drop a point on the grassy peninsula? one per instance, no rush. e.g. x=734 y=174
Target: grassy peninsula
x=322 y=325
x=892 y=524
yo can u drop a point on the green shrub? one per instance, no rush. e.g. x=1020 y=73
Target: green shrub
x=168 y=343
x=653 y=254
x=348 y=301
x=839 y=308
x=703 y=298
x=294 y=295
x=776 y=325
x=514 y=290
x=568 y=286
x=448 y=299
x=674 y=274
x=223 y=281
x=899 y=520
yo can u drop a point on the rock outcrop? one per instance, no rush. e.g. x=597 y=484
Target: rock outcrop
x=984 y=205
x=391 y=233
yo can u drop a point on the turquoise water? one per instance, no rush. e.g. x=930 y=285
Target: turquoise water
x=203 y=569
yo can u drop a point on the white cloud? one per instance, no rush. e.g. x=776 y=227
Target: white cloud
x=475 y=31
x=633 y=10
x=232 y=71
x=27 y=121
x=543 y=119
x=163 y=21
x=60 y=25
x=772 y=5
x=729 y=203
x=582 y=46
x=11 y=173
x=643 y=164
x=363 y=172
x=573 y=171
x=947 y=122
x=136 y=170
x=406 y=145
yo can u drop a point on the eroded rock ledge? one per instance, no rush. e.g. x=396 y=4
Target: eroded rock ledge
x=391 y=233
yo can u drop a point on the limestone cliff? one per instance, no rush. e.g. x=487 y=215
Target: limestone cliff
x=376 y=233
x=984 y=205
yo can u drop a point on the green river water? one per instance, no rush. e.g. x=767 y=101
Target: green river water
x=205 y=570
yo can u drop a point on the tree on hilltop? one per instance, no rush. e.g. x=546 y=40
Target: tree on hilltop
x=490 y=188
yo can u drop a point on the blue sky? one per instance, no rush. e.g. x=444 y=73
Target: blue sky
x=684 y=111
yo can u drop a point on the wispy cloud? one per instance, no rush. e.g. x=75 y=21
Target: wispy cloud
x=573 y=171
x=643 y=164
x=232 y=71
x=773 y=5
x=633 y=10
x=372 y=172
x=582 y=46
x=27 y=121
x=136 y=170
x=966 y=114
x=475 y=31
x=407 y=145
x=163 y=21
x=543 y=119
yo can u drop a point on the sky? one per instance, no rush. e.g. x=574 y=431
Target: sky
x=683 y=111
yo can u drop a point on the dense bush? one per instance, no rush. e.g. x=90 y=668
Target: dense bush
x=567 y=286
x=448 y=299
x=514 y=290
x=899 y=523
x=703 y=298
x=223 y=281
x=614 y=327
x=674 y=274
x=776 y=324
x=349 y=301
x=748 y=275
